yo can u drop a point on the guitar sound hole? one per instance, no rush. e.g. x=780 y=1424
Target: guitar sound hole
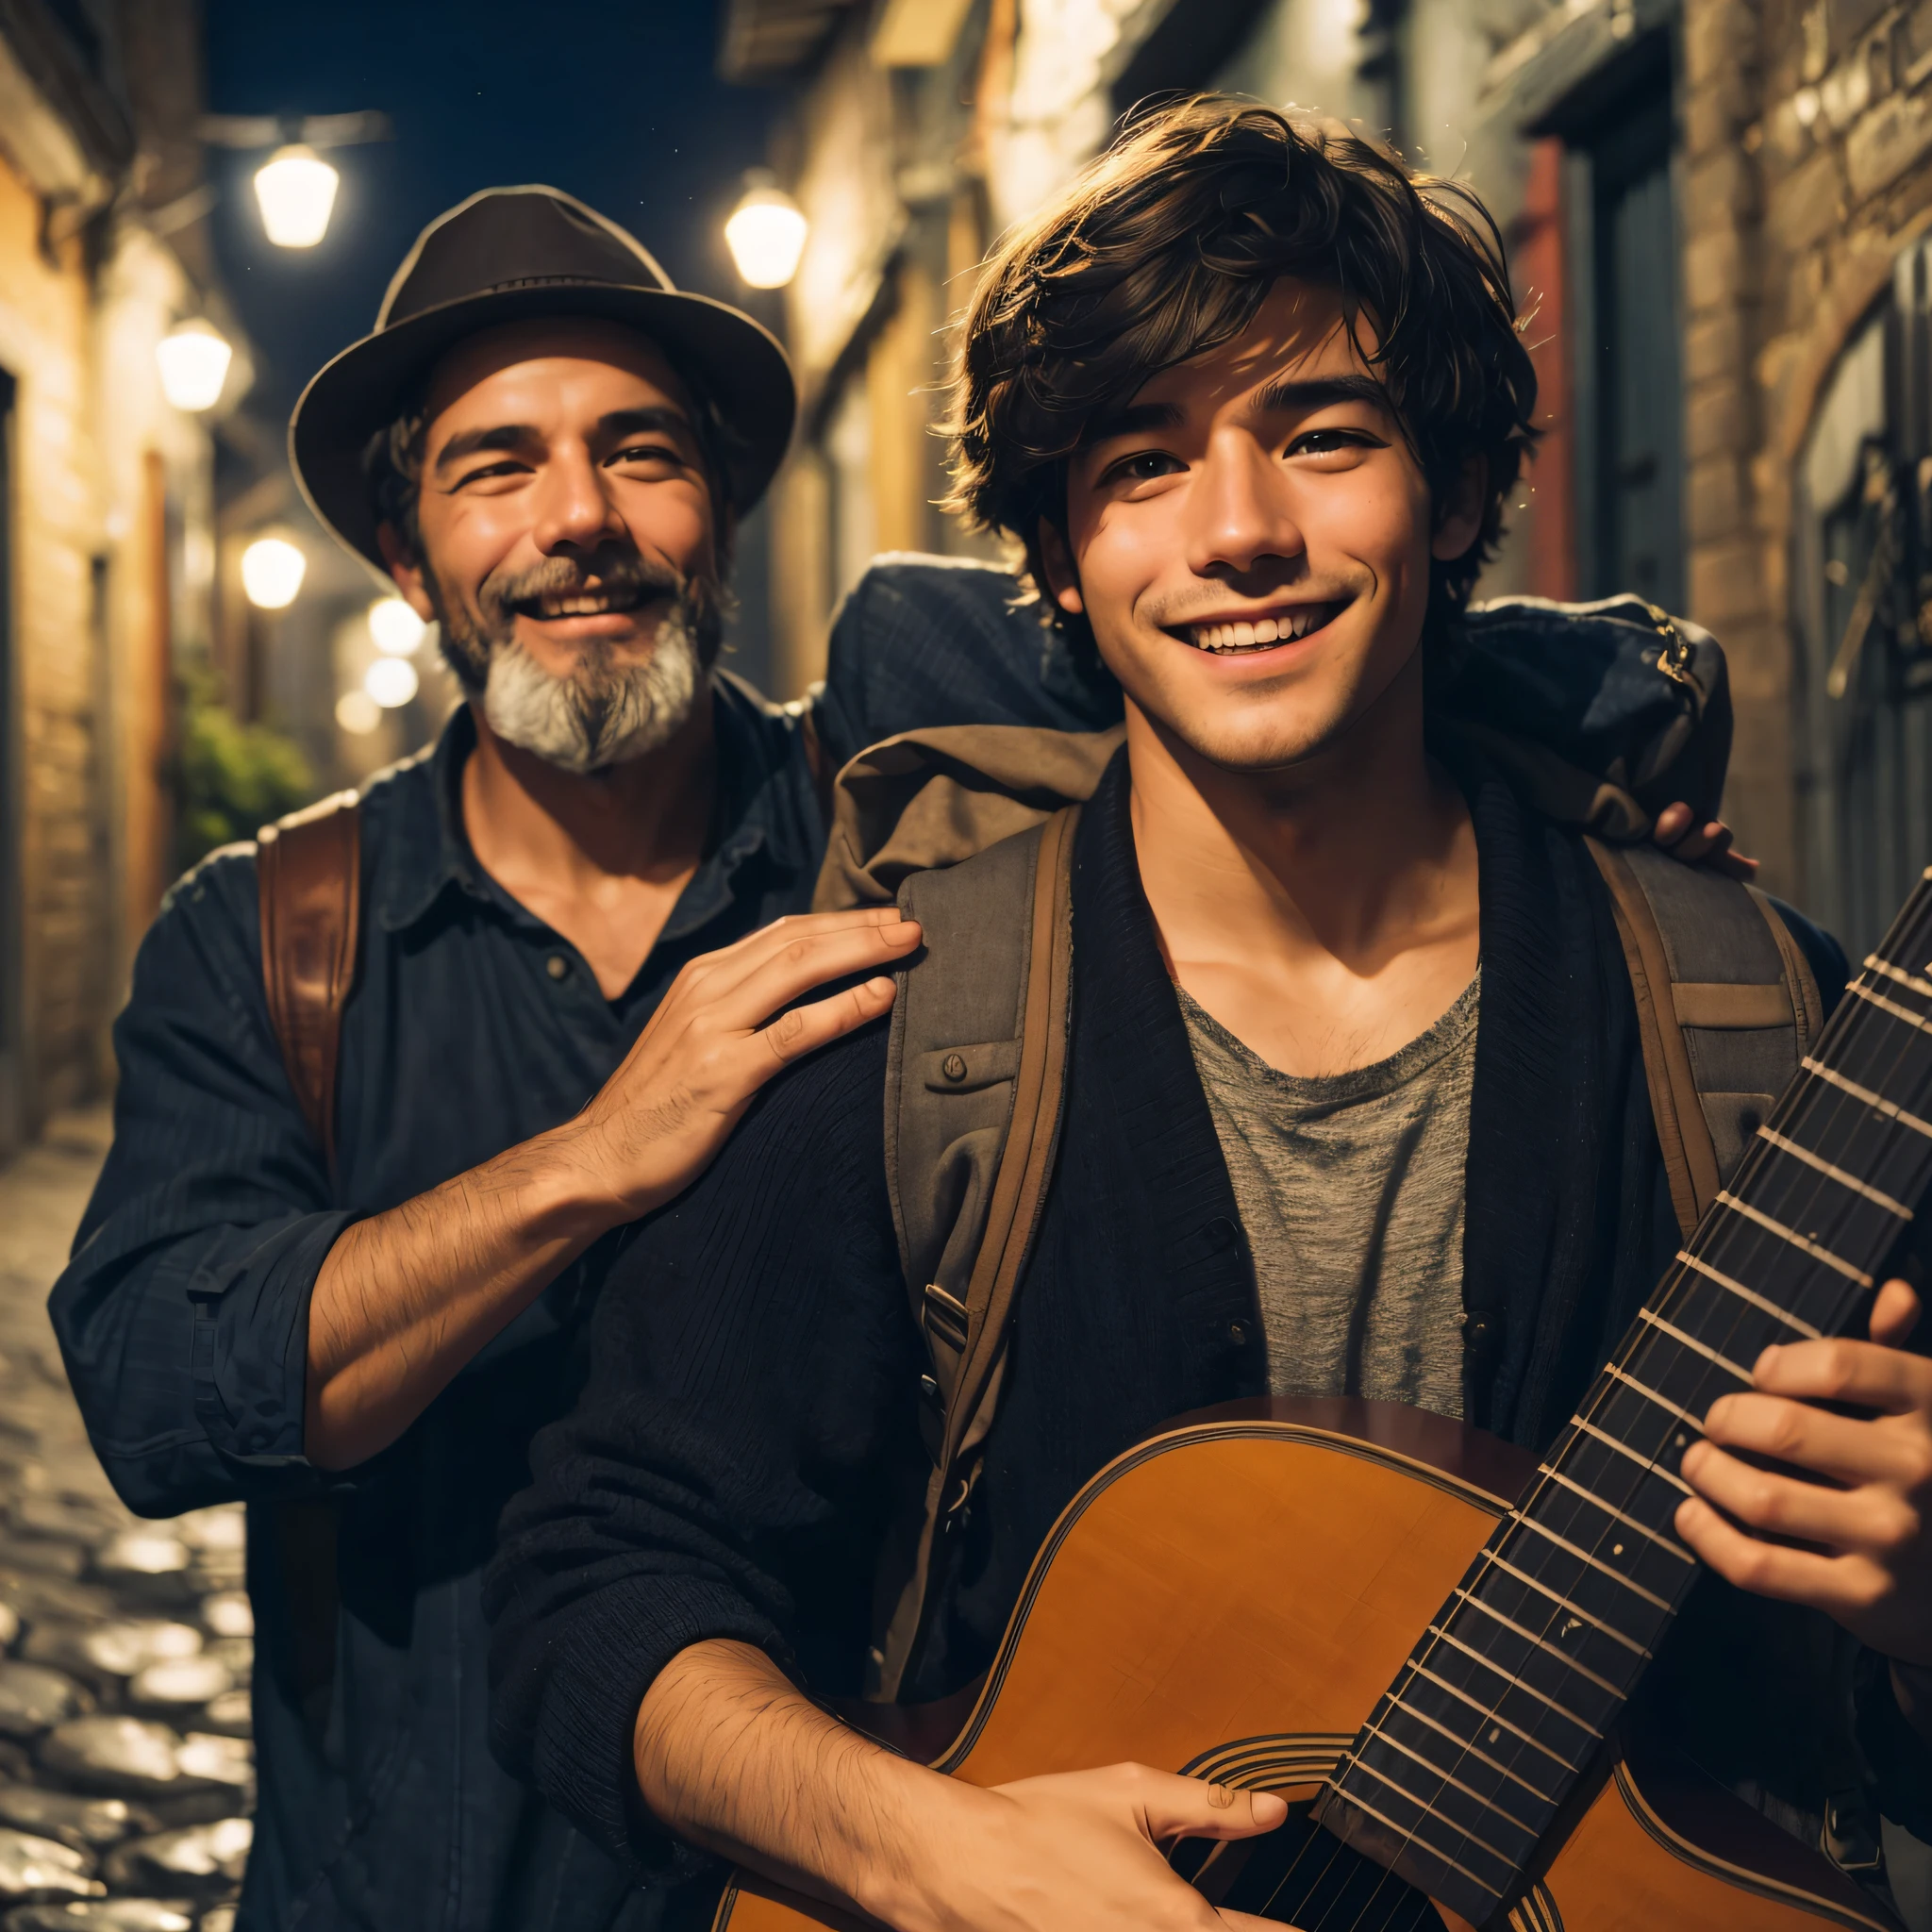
x=1299 y=1875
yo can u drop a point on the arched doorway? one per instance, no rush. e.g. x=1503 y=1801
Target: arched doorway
x=1861 y=596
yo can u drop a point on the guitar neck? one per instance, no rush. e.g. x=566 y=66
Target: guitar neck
x=1505 y=1700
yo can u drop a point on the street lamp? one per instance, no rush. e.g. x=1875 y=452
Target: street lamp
x=296 y=188
x=193 y=358
x=391 y=681
x=766 y=233
x=357 y=713
x=271 y=573
x=394 y=627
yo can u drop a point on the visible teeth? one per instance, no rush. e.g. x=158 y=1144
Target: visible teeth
x=576 y=606
x=1245 y=636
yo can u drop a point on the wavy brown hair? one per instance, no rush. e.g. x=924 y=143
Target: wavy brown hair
x=1165 y=246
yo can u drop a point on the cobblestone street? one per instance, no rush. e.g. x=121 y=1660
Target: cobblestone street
x=126 y=1774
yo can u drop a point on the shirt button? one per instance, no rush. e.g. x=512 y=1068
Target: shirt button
x=953 y=1066
x=1238 y=1334
x=557 y=966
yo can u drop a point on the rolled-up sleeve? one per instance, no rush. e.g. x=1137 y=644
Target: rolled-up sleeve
x=729 y=1468
x=183 y=1314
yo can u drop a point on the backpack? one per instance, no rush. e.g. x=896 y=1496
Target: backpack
x=1603 y=713
x=971 y=831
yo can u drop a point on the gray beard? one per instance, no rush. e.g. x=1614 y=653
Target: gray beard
x=608 y=708
x=605 y=711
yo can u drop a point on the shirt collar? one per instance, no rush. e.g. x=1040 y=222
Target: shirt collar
x=763 y=803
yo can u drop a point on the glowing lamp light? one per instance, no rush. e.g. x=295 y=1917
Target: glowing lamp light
x=357 y=713
x=766 y=235
x=395 y=628
x=391 y=681
x=193 y=360
x=296 y=188
x=271 y=573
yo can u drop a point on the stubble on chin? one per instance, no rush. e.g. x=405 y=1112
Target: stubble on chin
x=1292 y=720
x=611 y=705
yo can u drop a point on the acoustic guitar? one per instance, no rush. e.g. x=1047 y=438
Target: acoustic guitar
x=1425 y=1639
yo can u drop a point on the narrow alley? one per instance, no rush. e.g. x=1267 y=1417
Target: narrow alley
x=125 y=1772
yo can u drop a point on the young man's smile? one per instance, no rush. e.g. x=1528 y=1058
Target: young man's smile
x=1252 y=633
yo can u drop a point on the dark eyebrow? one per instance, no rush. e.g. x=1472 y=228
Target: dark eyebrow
x=1131 y=419
x=644 y=422
x=467 y=442
x=1285 y=396
x=1303 y=398
x=509 y=436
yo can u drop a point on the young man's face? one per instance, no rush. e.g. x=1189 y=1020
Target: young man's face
x=1251 y=540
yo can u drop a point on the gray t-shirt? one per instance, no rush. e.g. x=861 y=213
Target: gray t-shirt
x=1351 y=1190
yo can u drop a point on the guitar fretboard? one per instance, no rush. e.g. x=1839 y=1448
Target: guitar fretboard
x=1499 y=1708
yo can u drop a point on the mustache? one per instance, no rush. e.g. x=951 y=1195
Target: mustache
x=626 y=576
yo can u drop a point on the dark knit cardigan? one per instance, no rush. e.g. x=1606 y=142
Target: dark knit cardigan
x=750 y=1424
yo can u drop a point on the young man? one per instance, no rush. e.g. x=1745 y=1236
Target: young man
x=1354 y=1101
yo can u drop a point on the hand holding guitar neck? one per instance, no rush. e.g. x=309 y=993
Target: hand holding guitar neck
x=732 y=1757
x=1867 y=1528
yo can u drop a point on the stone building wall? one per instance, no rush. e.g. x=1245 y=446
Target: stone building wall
x=110 y=556
x=1807 y=144
x=1799 y=166
x=45 y=338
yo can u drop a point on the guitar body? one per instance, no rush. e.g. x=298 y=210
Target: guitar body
x=1231 y=1598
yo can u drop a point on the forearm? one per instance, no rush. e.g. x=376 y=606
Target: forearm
x=731 y=1756
x=407 y=1297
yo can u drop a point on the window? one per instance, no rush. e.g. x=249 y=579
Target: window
x=1862 y=622
x=1630 y=397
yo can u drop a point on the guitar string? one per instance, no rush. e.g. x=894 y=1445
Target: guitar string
x=1424 y=1808
x=1676 y=1293
x=1758 y=1241
x=1804 y=1110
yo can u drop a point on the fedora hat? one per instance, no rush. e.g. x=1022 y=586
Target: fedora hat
x=504 y=254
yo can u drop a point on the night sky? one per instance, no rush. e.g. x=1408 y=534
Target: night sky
x=618 y=103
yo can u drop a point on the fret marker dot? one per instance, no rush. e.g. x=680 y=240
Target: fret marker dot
x=1495 y=1737
x=1616 y=1549
x=1679 y=1438
x=1571 y=1625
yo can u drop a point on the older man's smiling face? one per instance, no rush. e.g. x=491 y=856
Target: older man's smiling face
x=563 y=486
x=1251 y=539
x=569 y=545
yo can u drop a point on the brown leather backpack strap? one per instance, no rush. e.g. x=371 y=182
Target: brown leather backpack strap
x=1725 y=1007
x=309 y=870
x=309 y=873
x=1807 y=1006
x=818 y=760
x=968 y=1381
x=1689 y=1157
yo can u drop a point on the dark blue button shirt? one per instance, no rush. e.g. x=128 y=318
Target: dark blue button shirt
x=473 y=1026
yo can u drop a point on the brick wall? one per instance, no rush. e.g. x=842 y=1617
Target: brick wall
x=1807 y=166
x=110 y=487
x=52 y=759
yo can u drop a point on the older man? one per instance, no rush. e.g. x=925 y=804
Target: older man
x=566 y=967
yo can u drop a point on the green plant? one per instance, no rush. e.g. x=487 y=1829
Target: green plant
x=230 y=777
